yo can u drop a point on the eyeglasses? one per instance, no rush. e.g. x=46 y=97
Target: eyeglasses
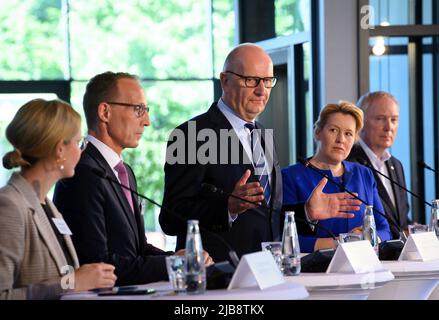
x=82 y=144
x=253 y=82
x=139 y=109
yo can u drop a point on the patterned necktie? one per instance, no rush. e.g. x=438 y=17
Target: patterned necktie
x=123 y=177
x=259 y=161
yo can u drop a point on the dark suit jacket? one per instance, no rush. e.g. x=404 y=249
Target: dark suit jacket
x=184 y=194
x=397 y=216
x=103 y=225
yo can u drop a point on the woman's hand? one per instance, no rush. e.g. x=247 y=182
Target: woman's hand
x=94 y=275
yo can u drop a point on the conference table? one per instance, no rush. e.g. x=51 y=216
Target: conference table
x=163 y=291
x=406 y=280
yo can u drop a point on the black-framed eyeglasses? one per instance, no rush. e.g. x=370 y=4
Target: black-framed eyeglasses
x=139 y=109
x=253 y=82
x=82 y=144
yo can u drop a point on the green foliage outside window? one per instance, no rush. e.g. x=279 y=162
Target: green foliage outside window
x=292 y=16
x=175 y=46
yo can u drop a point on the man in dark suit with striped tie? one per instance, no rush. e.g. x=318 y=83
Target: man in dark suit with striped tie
x=227 y=148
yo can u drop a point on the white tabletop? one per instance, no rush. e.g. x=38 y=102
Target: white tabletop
x=285 y=291
x=342 y=281
x=413 y=268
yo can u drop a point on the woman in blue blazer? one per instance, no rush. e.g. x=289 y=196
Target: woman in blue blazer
x=335 y=131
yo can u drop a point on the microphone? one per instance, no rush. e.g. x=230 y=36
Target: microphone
x=364 y=163
x=219 y=274
x=317 y=261
x=426 y=166
x=389 y=249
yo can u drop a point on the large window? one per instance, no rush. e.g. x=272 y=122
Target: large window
x=292 y=16
x=176 y=47
x=401 y=56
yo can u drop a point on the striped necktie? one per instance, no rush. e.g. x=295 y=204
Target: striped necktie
x=259 y=161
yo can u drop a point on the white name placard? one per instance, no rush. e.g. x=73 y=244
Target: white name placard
x=258 y=269
x=355 y=257
x=422 y=246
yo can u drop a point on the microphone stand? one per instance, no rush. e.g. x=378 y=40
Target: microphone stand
x=394 y=182
x=390 y=249
x=232 y=254
x=308 y=164
x=317 y=261
x=426 y=166
x=214 y=189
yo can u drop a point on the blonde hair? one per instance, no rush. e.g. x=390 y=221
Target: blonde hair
x=343 y=107
x=37 y=128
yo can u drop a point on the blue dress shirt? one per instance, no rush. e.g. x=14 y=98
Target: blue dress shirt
x=299 y=181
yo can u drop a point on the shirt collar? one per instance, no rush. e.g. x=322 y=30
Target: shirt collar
x=236 y=122
x=371 y=155
x=109 y=154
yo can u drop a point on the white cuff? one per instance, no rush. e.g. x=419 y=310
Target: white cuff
x=232 y=218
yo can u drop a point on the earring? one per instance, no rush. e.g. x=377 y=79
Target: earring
x=61 y=166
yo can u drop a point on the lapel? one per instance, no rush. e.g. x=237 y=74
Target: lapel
x=40 y=219
x=384 y=196
x=396 y=190
x=219 y=121
x=117 y=190
x=67 y=238
x=137 y=215
x=267 y=141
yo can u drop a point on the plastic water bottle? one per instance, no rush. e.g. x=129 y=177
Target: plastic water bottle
x=369 y=228
x=434 y=217
x=290 y=260
x=195 y=269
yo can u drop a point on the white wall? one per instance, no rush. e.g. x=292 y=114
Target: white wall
x=338 y=44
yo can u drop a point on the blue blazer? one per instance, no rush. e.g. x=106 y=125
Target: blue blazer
x=299 y=182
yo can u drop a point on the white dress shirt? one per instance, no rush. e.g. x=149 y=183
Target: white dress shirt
x=243 y=134
x=380 y=165
x=109 y=154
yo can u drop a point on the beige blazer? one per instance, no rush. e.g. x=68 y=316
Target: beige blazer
x=31 y=258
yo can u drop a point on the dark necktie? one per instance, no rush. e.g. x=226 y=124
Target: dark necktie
x=259 y=161
x=123 y=177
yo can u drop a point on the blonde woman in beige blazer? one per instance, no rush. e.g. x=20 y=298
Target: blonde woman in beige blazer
x=37 y=257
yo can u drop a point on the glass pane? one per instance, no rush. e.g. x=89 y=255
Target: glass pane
x=427 y=14
x=153 y=39
x=32 y=40
x=9 y=105
x=399 y=12
x=167 y=111
x=428 y=125
x=223 y=32
x=390 y=73
x=292 y=16
x=308 y=101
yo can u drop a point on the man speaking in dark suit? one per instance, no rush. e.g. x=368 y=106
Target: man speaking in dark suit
x=227 y=148
x=104 y=217
x=381 y=119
